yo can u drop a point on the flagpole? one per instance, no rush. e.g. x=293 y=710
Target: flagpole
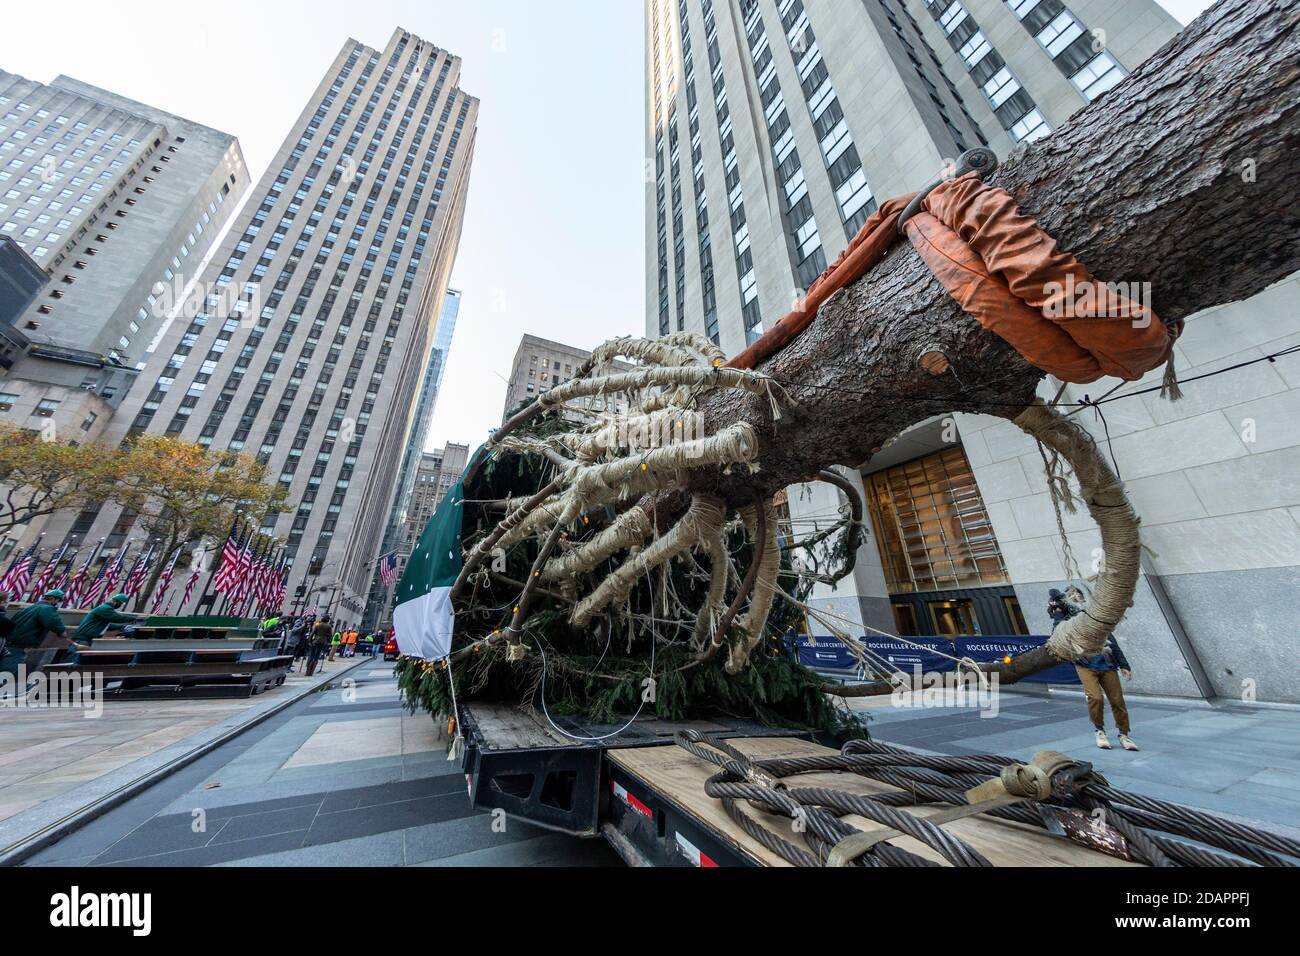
x=60 y=579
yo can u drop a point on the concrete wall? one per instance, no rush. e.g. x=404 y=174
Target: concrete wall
x=1216 y=480
x=81 y=416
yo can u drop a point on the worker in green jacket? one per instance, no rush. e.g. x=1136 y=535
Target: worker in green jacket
x=102 y=618
x=31 y=624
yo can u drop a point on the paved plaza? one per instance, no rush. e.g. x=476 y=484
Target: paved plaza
x=345 y=777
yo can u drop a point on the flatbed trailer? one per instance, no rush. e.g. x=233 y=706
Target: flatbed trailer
x=646 y=797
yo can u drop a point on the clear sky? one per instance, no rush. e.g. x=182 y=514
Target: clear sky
x=554 y=232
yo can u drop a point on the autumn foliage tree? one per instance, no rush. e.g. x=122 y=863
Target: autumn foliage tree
x=183 y=492
x=39 y=477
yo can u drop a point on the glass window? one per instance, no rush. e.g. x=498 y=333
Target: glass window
x=933 y=530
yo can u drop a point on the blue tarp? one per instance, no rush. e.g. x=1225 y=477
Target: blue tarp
x=829 y=654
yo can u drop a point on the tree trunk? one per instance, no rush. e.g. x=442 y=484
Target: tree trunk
x=1182 y=176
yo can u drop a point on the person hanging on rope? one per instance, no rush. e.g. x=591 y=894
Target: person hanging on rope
x=1099 y=674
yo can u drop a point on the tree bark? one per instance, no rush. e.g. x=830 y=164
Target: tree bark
x=1183 y=176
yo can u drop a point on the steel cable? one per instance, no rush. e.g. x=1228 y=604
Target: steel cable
x=1155 y=832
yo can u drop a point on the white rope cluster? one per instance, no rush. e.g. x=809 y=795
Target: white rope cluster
x=1085 y=634
x=602 y=463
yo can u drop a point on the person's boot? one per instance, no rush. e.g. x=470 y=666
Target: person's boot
x=1126 y=742
x=1102 y=740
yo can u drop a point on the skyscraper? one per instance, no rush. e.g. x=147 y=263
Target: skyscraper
x=541 y=364
x=434 y=474
x=421 y=415
x=118 y=202
x=775 y=125
x=319 y=309
x=112 y=197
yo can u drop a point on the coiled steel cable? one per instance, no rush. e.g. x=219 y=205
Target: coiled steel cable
x=1156 y=832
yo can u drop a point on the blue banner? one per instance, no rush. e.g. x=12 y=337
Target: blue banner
x=933 y=655
x=827 y=654
x=986 y=649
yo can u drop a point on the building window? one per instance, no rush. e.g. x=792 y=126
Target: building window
x=905 y=619
x=46 y=407
x=933 y=530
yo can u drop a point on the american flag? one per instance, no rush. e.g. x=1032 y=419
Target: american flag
x=62 y=582
x=43 y=581
x=282 y=584
x=276 y=584
x=249 y=562
x=77 y=587
x=189 y=585
x=164 y=582
x=230 y=551
x=244 y=571
x=135 y=580
x=104 y=586
x=388 y=569
x=19 y=574
x=264 y=587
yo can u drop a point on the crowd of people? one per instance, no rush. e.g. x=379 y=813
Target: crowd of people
x=313 y=639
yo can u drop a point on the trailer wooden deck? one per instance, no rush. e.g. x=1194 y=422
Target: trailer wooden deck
x=671 y=774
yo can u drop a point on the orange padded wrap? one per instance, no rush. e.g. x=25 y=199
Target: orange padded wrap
x=866 y=249
x=967 y=279
x=1003 y=270
x=1126 y=339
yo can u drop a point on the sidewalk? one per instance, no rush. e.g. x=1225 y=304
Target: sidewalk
x=346 y=777
x=1227 y=757
x=54 y=762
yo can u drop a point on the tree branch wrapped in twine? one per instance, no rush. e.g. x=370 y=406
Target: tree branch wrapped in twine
x=1103 y=493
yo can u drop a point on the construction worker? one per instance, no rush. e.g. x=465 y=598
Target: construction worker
x=320 y=641
x=335 y=643
x=102 y=618
x=349 y=643
x=31 y=625
x=270 y=628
